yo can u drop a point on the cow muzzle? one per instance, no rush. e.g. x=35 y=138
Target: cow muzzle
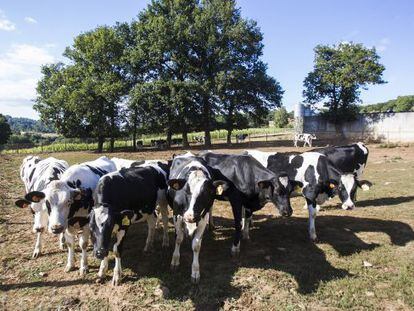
x=189 y=217
x=38 y=229
x=56 y=229
x=101 y=253
x=348 y=206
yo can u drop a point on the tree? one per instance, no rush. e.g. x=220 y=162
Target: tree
x=5 y=130
x=339 y=74
x=281 y=117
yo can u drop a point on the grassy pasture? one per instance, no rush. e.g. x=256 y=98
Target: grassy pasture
x=279 y=269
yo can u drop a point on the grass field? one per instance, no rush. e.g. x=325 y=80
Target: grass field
x=279 y=269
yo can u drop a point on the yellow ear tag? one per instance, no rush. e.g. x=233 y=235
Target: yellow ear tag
x=126 y=221
x=219 y=190
x=176 y=186
x=332 y=186
x=298 y=188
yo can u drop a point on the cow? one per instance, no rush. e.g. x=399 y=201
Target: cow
x=70 y=201
x=162 y=203
x=250 y=187
x=317 y=177
x=241 y=137
x=306 y=138
x=36 y=174
x=191 y=193
x=349 y=159
x=121 y=198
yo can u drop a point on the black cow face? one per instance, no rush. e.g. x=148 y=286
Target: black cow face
x=277 y=191
x=194 y=197
x=101 y=223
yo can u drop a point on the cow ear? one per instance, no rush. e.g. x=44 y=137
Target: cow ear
x=176 y=184
x=22 y=203
x=35 y=196
x=77 y=194
x=264 y=184
x=220 y=186
x=364 y=184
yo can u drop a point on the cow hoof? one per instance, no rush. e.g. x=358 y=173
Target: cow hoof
x=195 y=279
x=235 y=253
x=116 y=279
x=246 y=237
x=36 y=253
x=62 y=247
x=100 y=280
x=69 y=268
x=174 y=268
x=314 y=239
x=83 y=271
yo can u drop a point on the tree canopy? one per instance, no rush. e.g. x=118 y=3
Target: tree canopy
x=400 y=104
x=5 y=130
x=340 y=73
x=173 y=69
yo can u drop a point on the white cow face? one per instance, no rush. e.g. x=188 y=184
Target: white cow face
x=347 y=191
x=39 y=211
x=58 y=198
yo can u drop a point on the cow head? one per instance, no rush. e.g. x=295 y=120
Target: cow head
x=39 y=211
x=58 y=198
x=103 y=222
x=347 y=188
x=277 y=190
x=194 y=196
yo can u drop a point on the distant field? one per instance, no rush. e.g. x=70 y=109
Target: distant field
x=278 y=270
x=218 y=136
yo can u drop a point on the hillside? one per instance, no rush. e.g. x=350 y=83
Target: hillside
x=18 y=125
x=400 y=104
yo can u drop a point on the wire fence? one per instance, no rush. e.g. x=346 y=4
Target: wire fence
x=149 y=142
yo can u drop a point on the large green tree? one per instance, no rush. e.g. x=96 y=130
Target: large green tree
x=5 y=130
x=340 y=73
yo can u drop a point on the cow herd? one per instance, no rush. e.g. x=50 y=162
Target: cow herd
x=99 y=200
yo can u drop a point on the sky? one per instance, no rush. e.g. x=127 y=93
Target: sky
x=33 y=33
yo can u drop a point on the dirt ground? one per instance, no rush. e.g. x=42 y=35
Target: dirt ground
x=363 y=261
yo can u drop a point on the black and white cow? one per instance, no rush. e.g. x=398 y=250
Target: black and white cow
x=121 y=198
x=250 y=187
x=70 y=201
x=162 y=202
x=36 y=174
x=191 y=193
x=316 y=175
x=349 y=159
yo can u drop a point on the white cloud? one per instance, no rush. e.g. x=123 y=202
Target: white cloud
x=5 y=23
x=30 y=20
x=383 y=44
x=19 y=73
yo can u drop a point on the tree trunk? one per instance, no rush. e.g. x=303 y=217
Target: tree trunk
x=185 y=139
x=229 y=131
x=206 y=116
x=101 y=141
x=134 y=139
x=169 y=137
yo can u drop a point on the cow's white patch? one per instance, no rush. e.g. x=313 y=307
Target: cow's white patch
x=348 y=181
x=196 y=180
x=365 y=187
x=284 y=180
x=101 y=215
x=260 y=156
x=309 y=159
x=363 y=148
x=359 y=171
x=195 y=164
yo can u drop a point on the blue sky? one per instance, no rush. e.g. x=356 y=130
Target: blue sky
x=36 y=32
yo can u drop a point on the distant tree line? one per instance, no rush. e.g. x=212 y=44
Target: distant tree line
x=181 y=66
x=19 y=125
x=400 y=104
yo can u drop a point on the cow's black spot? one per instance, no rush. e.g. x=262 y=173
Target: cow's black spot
x=31 y=174
x=48 y=206
x=97 y=170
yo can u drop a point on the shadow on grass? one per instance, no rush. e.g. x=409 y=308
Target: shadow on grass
x=276 y=244
x=385 y=201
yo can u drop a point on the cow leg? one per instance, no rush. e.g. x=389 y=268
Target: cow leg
x=178 y=223
x=151 y=221
x=312 y=216
x=62 y=244
x=70 y=244
x=236 y=207
x=164 y=215
x=38 y=245
x=103 y=268
x=116 y=279
x=83 y=244
x=196 y=245
x=247 y=219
